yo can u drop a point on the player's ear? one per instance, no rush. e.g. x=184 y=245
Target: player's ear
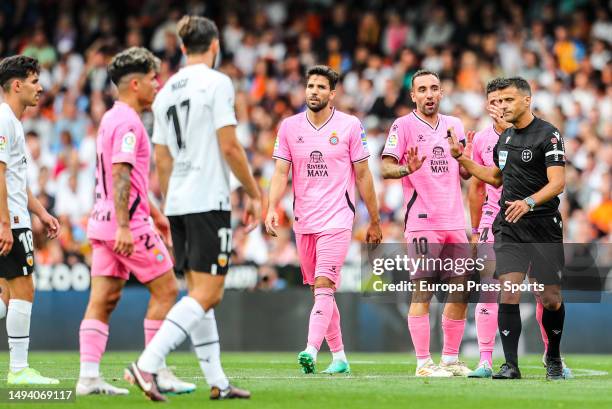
x=332 y=94
x=412 y=95
x=214 y=45
x=183 y=49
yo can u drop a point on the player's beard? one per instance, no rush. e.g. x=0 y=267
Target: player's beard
x=318 y=107
x=429 y=111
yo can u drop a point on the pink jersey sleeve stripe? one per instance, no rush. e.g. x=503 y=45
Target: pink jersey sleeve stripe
x=281 y=158
x=362 y=159
x=390 y=154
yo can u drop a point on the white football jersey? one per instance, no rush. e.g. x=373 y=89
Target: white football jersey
x=191 y=106
x=13 y=153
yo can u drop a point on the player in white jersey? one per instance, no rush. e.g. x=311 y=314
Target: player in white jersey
x=19 y=81
x=195 y=148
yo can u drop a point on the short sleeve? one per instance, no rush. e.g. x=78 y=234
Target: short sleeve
x=396 y=142
x=281 y=146
x=6 y=138
x=223 y=104
x=554 y=149
x=125 y=145
x=358 y=143
x=160 y=131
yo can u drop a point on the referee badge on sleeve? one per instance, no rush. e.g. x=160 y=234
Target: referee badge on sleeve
x=503 y=157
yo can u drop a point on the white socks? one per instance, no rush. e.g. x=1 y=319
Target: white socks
x=340 y=356
x=178 y=324
x=18 y=331
x=450 y=359
x=89 y=370
x=312 y=351
x=205 y=339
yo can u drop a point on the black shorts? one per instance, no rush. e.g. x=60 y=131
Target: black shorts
x=202 y=242
x=532 y=245
x=20 y=260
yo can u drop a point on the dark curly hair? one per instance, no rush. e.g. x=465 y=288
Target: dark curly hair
x=17 y=67
x=133 y=60
x=323 y=70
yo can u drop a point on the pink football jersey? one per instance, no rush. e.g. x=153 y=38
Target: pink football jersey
x=432 y=194
x=482 y=153
x=122 y=138
x=322 y=169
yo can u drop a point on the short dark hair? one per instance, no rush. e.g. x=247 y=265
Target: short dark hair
x=137 y=60
x=325 y=71
x=496 y=84
x=519 y=83
x=420 y=73
x=17 y=66
x=197 y=33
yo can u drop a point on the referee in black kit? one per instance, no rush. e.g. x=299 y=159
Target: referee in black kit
x=530 y=160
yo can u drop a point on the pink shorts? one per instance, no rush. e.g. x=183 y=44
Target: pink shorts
x=322 y=254
x=443 y=244
x=149 y=260
x=485 y=241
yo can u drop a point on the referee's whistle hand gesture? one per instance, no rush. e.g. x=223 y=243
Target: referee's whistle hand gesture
x=516 y=210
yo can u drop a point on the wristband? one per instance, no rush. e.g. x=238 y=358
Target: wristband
x=458 y=156
x=475 y=230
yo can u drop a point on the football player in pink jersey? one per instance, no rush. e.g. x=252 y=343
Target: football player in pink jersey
x=484 y=206
x=434 y=221
x=327 y=153
x=122 y=238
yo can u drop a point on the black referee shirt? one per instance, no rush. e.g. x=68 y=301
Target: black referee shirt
x=523 y=156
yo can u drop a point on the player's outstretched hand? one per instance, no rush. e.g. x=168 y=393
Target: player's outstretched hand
x=413 y=162
x=271 y=222
x=516 y=210
x=51 y=224
x=374 y=234
x=252 y=214
x=124 y=242
x=455 y=147
x=467 y=151
x=6 y=239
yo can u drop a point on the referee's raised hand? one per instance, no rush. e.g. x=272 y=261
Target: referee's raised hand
x=516 y=210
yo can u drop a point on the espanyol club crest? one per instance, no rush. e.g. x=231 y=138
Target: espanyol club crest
x=526 y=155
x=503 y=157
x=333 y=139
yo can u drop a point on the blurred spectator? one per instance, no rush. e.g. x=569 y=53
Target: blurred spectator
x=563 y=50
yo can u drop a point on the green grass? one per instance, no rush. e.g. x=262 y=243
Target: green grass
x=377 y=381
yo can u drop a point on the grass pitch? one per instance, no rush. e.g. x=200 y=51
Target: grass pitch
x=377 y=381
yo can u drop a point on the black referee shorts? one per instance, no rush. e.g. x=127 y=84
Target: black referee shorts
x=533 y=246
x=202 y=242
x=20 y=260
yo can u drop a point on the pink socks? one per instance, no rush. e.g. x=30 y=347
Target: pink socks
x=334 y=332
x=486 y=329
x=150 y=329
x=320 y=316
x=419 y=332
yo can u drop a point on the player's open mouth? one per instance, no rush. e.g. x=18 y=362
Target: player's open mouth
x=430 y=104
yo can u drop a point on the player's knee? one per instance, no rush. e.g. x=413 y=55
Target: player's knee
x=207 y=300
x=165 y=295
x=551 y=302
x=324 y=282
x=109 y=303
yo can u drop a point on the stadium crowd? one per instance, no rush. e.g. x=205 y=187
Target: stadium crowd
x=563 y=48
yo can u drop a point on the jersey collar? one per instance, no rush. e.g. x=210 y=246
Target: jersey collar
x=326 y=122
x=425 y=122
